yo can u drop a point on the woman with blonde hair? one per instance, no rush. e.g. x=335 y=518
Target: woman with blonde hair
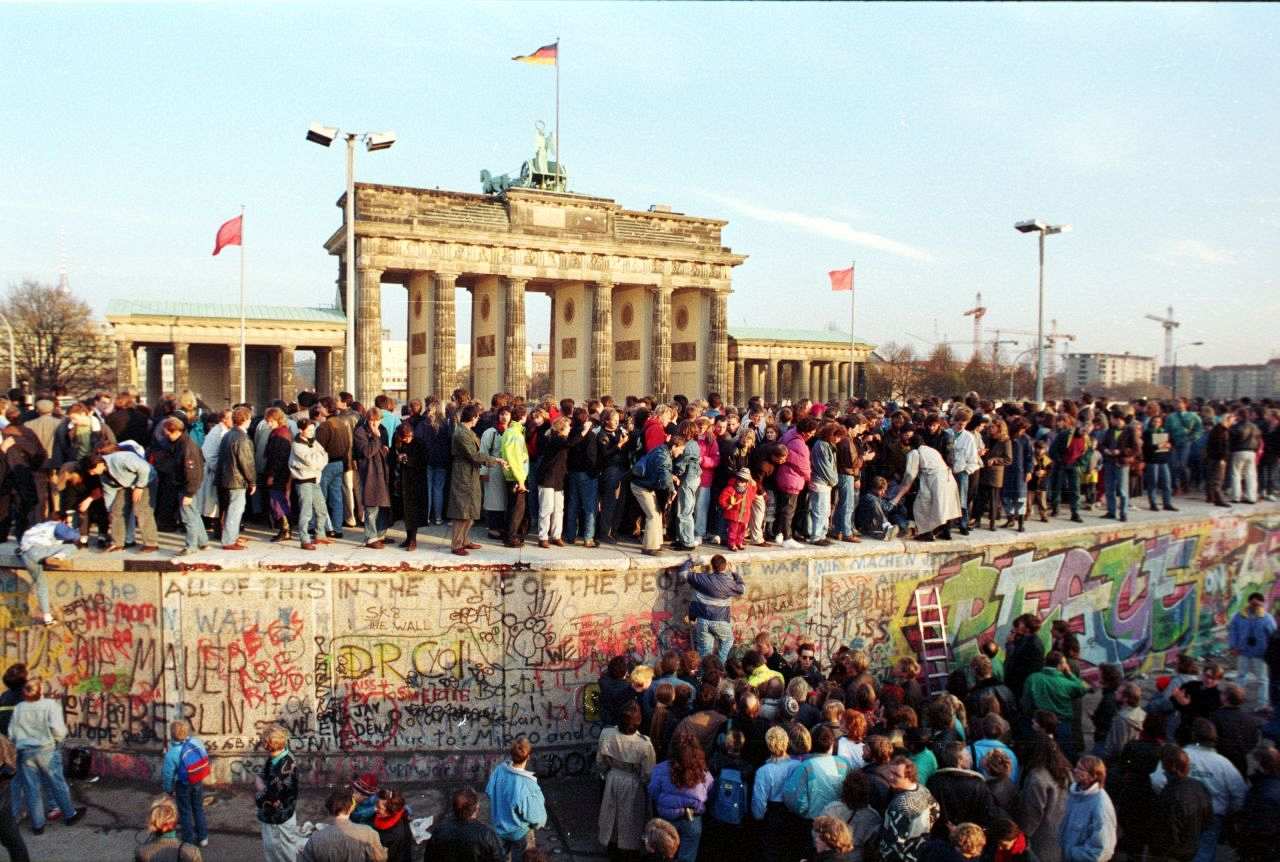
x=832 y=840
x=163 y=844
x=276 y=797
x=767 y=804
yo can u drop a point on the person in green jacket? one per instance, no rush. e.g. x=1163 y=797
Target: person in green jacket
x=1184 y=427
x=1054 y=688
x=516 y=473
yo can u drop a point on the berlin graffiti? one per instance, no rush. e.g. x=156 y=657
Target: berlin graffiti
x=430 y=675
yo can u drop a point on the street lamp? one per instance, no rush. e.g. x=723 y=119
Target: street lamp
x=324 y=136
x=1043 y=229
x=1174 y=387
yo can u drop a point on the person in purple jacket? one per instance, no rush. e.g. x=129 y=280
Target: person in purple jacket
x=678 y=789
x=713 y=594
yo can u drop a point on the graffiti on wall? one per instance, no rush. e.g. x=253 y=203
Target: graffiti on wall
x=428 y=675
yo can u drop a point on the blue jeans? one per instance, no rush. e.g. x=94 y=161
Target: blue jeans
x=33 y=560
x=1158 y=475
x=962 y=488
x=846 y=504
x=819 y=512
x=39 y=766
x=436 y=477
x=610 y=501
x=311 y=507
x=1208 y=849
x=190 y=801
x=194 y=525
x=700 y=510
x=713 y=636
x=580 y=503
x=690 y=832
x=331 y=488
x=235 y=511
x=375 y=523
x=1179 y=464
x=1116 y=484
x=686 y=502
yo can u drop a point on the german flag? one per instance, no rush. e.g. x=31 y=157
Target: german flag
x=544 y=56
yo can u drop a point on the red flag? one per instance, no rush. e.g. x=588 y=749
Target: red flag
x=228 y=234
x=841 y=279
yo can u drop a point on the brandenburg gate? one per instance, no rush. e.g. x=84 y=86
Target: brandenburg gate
x=638 y=299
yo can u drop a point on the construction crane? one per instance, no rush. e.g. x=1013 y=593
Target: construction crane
x=1052 y=337
x=978 y=312
x=1169 y=325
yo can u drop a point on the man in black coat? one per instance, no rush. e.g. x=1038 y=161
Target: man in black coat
x=1025 y=653
x=962 y=793
x=1183 y=808
x=464 y=838
x=188 y=464
x=1238 y=730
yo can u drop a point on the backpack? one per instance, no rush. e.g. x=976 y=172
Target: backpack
x=193 y=763
x=731 y=797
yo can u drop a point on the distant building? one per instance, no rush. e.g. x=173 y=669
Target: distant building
x=1108 y=369
x=395 y=366
x=1226 y=382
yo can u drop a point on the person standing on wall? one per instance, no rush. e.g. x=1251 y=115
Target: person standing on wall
x=125 y=480
x=464 y=484
x=1247 y=635
x=189 y=461
x=334 y=436
x=516 y=806
x=236 y=476
x=374 y=487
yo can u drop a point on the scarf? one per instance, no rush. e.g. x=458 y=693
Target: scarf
x=1013 y=853
x=382 y=824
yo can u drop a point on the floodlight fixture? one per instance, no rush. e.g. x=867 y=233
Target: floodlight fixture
x=322 y=135
x=379 y=140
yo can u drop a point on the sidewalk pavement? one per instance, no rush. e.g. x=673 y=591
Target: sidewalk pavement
x=115 y=824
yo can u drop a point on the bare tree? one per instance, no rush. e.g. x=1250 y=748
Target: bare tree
x=59 y=346
x=898 y=376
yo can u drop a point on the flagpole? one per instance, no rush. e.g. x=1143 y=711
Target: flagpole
x=244 y=357
x=853 y=340
x=559 y=160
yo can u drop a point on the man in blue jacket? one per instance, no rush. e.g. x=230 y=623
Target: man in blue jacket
x=516 y=806
x=1247 y=635
x=713 y=594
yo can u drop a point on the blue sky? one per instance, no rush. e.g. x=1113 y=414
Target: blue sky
x=907 y=137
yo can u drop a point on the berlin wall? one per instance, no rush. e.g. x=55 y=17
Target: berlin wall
x=429 y=674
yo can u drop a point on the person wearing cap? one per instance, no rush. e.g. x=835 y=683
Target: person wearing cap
x=45 y=427
x=713 y=594
x=44 y=541
x=736 y=502
x=365 y=791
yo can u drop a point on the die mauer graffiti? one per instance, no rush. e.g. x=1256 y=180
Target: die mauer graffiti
x=430 y=675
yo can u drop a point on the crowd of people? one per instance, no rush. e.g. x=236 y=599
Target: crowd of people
x=729 y=745
x=559 y=473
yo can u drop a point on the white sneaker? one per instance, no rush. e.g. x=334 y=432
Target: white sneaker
x=777 y=540
x=713 y=540
x=204 y=843
x=890 y=532
x=792 y=543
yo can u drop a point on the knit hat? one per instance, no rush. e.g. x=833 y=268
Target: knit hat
x=366 y=785
x=44 y=406
x=744 y=474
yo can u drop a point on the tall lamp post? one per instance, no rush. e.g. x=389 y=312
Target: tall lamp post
x=1174 y=387
x=13 y=360
x=1038 y=227
x=324 y=136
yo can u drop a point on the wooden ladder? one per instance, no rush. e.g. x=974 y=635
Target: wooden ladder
x=935 y=649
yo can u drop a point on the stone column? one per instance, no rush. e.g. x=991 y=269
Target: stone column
x=800 y=384
x=772 y=375
x=829 y=385
x=718 y=344
x=602 y=339
x=514 y=378
x=337 y=370
x=284 y=372
x=181 y=366
x=368 y=334
x=155 y=376
x=660 y=375
x=444 y=352
x=740 y=387
x=126 y=365
x=324 y=377
x=235 y=361
x=554 y=347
